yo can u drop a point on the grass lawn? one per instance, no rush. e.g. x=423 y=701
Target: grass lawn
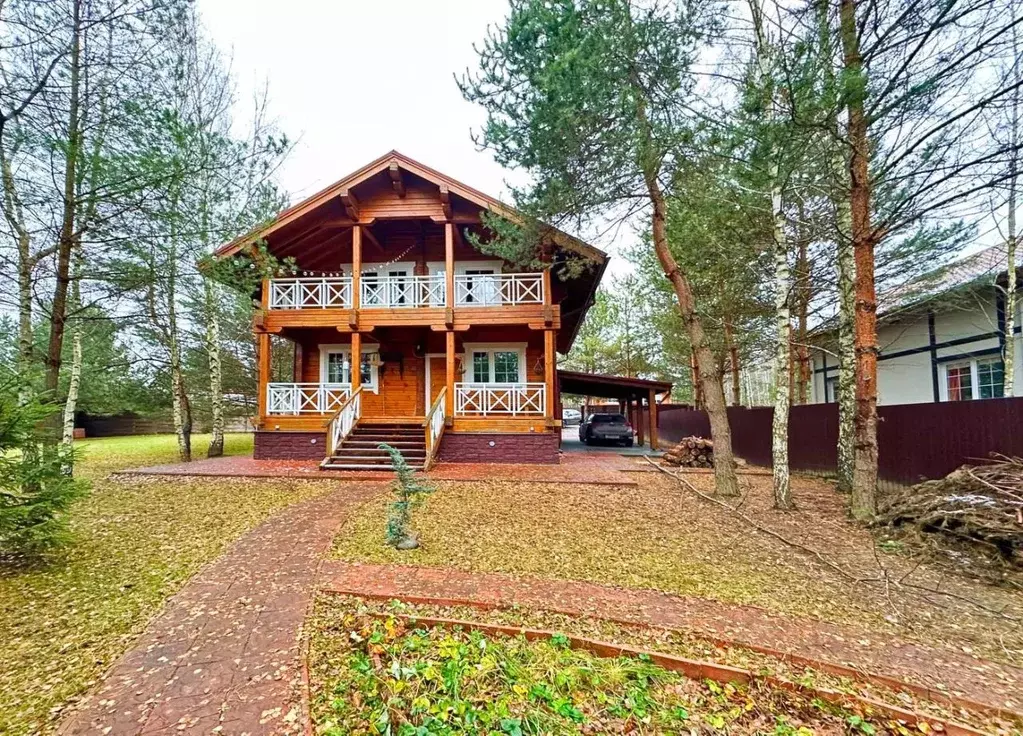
x=381 y=675
x=136 y=541
x=659 y=536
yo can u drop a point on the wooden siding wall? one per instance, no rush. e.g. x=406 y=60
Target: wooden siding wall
x=402 y=385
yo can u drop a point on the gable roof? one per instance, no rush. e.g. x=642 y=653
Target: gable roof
x=485 y=201
x=983 y=267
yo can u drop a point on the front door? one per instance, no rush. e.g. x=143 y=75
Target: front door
x=438 y=378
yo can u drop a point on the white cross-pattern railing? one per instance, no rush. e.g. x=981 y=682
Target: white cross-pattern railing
x=329 y=292
x=402 y=291
x=344 y=421
x=305 y=398
x=434 y=424
x=511 y=399
x=501 y=288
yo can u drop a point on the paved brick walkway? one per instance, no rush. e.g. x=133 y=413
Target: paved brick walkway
x=940 y=669
x=225 y=650
x=592 y=468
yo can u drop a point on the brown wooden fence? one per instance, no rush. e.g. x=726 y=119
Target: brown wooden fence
x=915 y=441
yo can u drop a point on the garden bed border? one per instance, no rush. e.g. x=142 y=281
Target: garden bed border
x=831 y=668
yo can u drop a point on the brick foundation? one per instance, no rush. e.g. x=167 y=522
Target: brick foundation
x=290 y=446
x=508 y=447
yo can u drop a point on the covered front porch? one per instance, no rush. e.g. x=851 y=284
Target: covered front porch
x=486 y=378
x=324 y=388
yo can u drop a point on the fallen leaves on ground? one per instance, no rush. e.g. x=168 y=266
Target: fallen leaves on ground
x=135 y=542
x=657 y=535
x=385 y=675
x=681 y=644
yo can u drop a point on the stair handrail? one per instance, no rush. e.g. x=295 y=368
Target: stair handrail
x=344 y=420
x=434 y=425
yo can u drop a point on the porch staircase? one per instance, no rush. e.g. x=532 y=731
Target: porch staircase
x=361 y=451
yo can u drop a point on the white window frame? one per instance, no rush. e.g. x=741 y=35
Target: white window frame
x=374 y=371
x=973 y=364
x=491 y=348
x=436 y=267
x=382 y=268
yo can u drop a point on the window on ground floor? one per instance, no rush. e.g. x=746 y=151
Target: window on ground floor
x=497 y=364
x=337 y=367
x=975 y=378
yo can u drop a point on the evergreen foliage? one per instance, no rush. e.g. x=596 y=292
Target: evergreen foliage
x=410 y=492
x=35 y=490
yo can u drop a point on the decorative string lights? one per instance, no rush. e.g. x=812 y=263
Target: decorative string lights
x=373 y=268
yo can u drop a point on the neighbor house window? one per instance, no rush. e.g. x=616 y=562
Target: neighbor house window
x=990 y=379
x=831 y=389
x=979 y=378
x=498 y=364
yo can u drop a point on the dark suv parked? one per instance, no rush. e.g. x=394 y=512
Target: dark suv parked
x=606 y=428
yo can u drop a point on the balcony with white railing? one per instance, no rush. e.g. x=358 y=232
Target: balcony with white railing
x=500 y=399
x=329 y=292
x=305 y=295
x=397 y=292
x=499 y=289
x=294 y=399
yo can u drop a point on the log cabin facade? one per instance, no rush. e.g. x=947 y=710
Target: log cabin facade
x=402 y=331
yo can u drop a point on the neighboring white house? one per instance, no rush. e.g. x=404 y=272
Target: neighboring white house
x=940 y=337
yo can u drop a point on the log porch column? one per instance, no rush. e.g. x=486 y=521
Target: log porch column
x=550 y=358
x=356 y=271
x=449 y=397
x=263 y=357
x=449 y=267
x=652 y=400
x=355 y=370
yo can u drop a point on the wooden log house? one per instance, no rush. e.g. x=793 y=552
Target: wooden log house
x=403 y=331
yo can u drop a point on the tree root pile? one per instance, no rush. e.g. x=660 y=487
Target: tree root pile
x=979 y=506
x=691 y=452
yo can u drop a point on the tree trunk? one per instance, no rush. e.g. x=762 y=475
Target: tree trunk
x=66 y=238
x=14 y=214
x=725 y=481
x=783 y=378
x=216 y=448
x=782 y=358
x=733 y=358
x=802 y=292
x=1009 y=344
x=179 y=398
x=74 y=383
x=864 y=485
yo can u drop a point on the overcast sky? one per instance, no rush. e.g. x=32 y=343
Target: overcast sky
x=352 y=80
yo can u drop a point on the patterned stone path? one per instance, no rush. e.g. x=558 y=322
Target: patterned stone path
x=224 y=653
x=943 y=670
x=591 y=468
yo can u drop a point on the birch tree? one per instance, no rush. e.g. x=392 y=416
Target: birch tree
x=764 y=89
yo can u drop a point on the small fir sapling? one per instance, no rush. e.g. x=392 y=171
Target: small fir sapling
x=410 y=492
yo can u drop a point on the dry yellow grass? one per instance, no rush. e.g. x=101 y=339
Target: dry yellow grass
x=659 y=536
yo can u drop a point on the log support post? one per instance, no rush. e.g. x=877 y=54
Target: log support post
x=652 y=415
x=355 y=369
x=263 y=350
x=449 y=271
x=639 y=421
x=449 y=372
x=550 y=357
x=353 y=318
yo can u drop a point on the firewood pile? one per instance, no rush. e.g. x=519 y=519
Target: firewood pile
x=981 y=506
x=691 y=452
